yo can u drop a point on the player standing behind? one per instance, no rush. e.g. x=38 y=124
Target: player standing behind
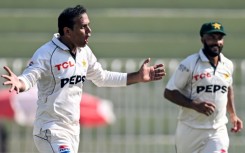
x=59 y=68
x=202 y=85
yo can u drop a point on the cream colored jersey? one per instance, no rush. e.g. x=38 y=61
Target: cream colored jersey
x=196 y=78
x=60 y=77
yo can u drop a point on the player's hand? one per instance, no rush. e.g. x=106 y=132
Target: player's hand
x=151 y=73
x=12 y=80
x=206 y=108
x=237 y=124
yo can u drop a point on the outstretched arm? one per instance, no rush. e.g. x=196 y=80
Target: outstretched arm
x=235 y=120
x=12 y=80
x=146 y=73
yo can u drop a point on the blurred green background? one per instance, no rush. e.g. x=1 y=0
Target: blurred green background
x=128 y=29
x=124 y=28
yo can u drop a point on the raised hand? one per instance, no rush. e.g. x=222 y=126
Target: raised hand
x=12 y=80
x=151 y=73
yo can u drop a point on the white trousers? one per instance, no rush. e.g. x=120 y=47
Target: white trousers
x=192 y=140
x=56 y=141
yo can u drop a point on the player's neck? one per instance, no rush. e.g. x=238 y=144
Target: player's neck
x=68 y=44
x=214 y=60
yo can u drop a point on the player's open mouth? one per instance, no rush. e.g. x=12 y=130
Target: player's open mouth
x=86 y=38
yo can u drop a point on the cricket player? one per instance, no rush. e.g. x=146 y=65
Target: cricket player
x=202 y=87
x=60 y=67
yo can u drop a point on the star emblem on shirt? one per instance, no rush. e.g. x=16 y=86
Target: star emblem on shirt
x=84 y=63
x=226 y=76
x=216 y=25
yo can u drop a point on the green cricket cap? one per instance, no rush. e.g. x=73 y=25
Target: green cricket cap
x=212 y=27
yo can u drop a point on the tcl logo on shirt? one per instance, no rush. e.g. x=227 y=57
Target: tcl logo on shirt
x=64 y=65
x=202 y=76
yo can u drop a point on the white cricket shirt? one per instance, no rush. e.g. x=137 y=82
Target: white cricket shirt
x=196 y=78
x=60 y=78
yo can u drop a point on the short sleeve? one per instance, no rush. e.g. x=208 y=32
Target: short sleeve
x=180 y=77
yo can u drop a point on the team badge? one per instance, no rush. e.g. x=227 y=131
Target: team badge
x=216 y=25
x=226 y=76
x=64 y=149
x=183 y=68
x=84 y=63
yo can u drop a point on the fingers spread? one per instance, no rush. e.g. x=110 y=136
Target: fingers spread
x=7 y=69
x=7 y=83
x=5 y=76
x=159 y=73
x=158 y=66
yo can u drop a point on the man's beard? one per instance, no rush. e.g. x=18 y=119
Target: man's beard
x=212 y=53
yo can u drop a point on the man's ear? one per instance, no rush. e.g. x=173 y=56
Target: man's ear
x=67 y=31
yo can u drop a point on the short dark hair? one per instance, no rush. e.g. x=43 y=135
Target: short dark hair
x=66 y=18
